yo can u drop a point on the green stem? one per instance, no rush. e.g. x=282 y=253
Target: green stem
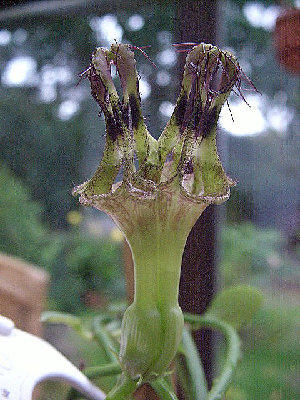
x=152 y=325
x=98 y=371
x=221 y=384
x=163 y=390
x=197 y=382
x=73 y=395
x=104 y=340
x=124 y=389
x=103 y=370
x=182 y=378
x=157 y=263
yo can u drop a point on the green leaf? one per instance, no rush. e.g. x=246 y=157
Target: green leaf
x=236 y=305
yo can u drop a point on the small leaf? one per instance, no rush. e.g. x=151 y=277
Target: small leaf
x=236 y=305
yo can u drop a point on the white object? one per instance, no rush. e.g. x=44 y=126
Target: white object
x=26 y=360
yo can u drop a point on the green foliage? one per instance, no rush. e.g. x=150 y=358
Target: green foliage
x=41 y=150
x=258 y=256
x=104 y=330
x=269 y=368
x=241 y=206
x=236 y=305
x=76 y=262
x=89 y=258
x=241 y=3
x=21 y=230
x=246 y=251
x=84 y=265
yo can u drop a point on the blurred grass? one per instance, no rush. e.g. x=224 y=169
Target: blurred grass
x=270 y=367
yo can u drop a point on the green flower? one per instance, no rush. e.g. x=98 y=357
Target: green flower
x=157 y=202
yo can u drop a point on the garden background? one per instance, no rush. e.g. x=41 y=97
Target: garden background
x=51 y=139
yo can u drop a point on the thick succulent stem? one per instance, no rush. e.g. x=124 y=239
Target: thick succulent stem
x=123 y=389
x=152 y=325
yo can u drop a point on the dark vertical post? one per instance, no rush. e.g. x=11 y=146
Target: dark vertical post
x=196 y=22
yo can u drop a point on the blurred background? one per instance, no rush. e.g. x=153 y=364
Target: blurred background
x=51 y=139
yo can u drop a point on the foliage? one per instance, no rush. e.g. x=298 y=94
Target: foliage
x=21 y=231
x=269 y=368
x=236 y=305
x=104 y=330
x=241 y=206
x=78 y=264
x=36 y=151
x=84 y=266
x=247 y=251
x=259 y=256
x=254 y=47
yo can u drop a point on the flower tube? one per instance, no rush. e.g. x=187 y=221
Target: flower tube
x=166 y=185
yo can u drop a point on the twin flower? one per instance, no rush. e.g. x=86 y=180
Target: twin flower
x=157 y=202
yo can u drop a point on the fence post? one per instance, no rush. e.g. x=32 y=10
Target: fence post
x=196 y=22
x=23 y=289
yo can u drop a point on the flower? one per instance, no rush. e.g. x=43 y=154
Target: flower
x=157 y=202
x=182 y=167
